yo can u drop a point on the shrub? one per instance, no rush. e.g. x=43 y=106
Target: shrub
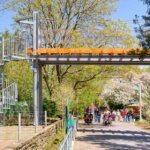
x=148 y=115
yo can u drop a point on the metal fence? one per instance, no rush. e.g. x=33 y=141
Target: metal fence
x=21 y=126
x=69 y=139
x=14 y=48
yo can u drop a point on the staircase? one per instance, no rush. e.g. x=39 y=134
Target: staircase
x=8 y=93
x=8 y=97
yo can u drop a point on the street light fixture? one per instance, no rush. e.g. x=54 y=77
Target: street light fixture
x=35 y=23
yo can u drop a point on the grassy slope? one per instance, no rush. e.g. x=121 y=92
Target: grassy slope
x=55 y=142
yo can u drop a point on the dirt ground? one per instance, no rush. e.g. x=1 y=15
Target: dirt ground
x=9 y=135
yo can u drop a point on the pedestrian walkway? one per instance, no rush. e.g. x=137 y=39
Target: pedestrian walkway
x=119 y=136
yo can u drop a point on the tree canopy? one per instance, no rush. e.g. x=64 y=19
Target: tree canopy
x=72 y=23
x=122 y=90
x=143 y=30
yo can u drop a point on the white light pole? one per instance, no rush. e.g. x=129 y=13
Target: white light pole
x=36 y=74
x=140 y=100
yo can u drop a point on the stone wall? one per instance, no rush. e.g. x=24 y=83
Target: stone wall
x=40 y=141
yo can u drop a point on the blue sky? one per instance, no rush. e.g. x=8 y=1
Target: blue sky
x=6 y=20
x=126 y=11
x=128 y=8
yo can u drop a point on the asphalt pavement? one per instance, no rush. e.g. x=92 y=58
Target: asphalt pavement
x=118 y=136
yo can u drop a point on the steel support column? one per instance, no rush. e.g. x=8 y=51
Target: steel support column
x=35 y=67
x=38 y=106
x=35 y=91
x=40 y=102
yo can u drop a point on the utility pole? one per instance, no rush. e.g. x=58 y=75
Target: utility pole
x=3 y=49
x=140 y=100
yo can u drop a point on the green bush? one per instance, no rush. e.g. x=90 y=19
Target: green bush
x=148 y=115
x=20 y=107
x=50 y=107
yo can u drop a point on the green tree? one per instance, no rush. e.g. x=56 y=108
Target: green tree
x=74 y=23
x=125 y=89
x=143 y=30
x=21 y=73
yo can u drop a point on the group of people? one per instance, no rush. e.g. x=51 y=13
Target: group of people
x=100 y=115
x=124 y=115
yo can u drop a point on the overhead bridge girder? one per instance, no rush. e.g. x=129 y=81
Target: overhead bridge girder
x=92 y=60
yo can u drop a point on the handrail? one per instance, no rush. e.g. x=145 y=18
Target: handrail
x=68 y=142
x=8 y=97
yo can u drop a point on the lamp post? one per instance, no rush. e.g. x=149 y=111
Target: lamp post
x=140 y=100
x=37 y=69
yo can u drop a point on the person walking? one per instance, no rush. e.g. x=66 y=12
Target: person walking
x=99 y=116
x=130 y=116
x=96 y=114
x=124 y=115
x=113 y=115
x=118 y=115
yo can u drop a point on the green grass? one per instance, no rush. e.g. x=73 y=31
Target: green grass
x=55 y=141
x=144 y=124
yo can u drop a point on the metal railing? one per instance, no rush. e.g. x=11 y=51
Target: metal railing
x=13 y=48
x=68 y=142
x=8 y=97
x=17 y=126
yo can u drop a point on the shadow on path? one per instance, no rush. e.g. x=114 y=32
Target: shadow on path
x=139 y=133
x=110 y=139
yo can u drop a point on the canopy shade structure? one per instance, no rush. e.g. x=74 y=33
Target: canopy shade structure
x=134 y=105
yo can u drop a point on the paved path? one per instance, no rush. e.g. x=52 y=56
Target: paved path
x=119 y=136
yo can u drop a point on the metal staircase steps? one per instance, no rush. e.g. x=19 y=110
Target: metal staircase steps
x=9 y=97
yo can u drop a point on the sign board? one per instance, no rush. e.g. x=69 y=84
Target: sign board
x=132 y=101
